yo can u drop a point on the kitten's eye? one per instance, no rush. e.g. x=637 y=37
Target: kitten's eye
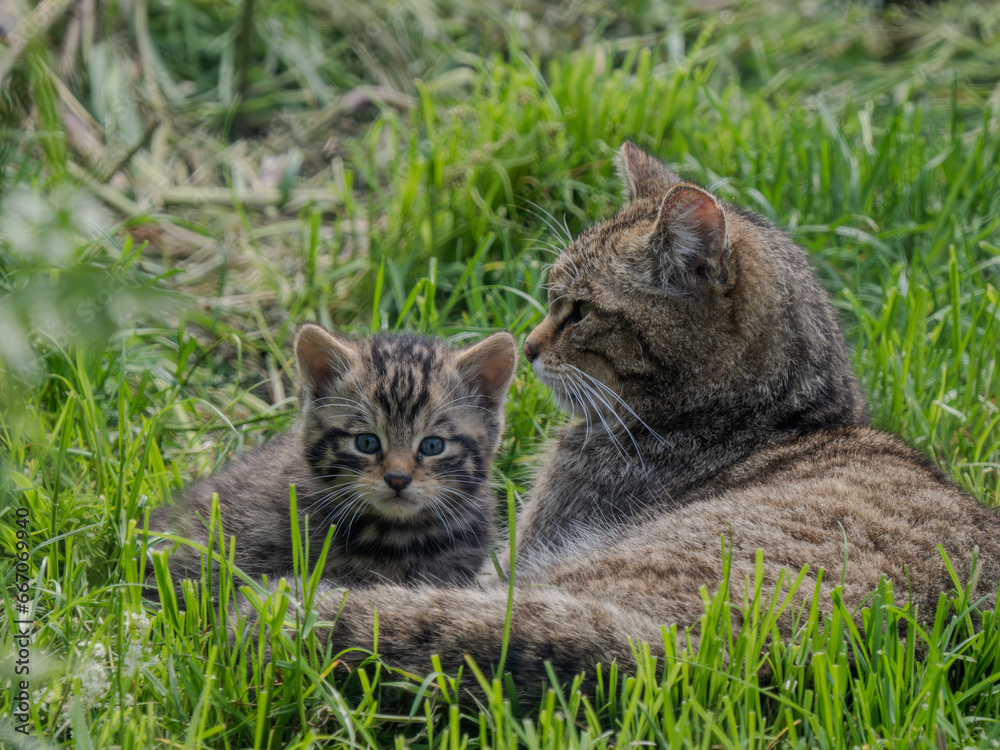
x=368 y=443
x=431 y=446
x=580 y=311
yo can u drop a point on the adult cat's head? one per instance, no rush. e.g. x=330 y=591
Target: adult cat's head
x=691 y=311
x=401 y=426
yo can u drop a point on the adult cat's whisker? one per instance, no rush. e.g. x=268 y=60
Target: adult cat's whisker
x=542 y=215
x=617 y=397
x=567 y=384
x=569 y=234
x=545 y=249
x=548 y=244
x=557 y=300
x=590 y=393
x=589 y=420
x=573 y=277
x=603 y=387
x=577 y=396
x=628 y=432
x=550 y=221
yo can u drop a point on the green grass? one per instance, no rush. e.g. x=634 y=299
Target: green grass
x=128 y=369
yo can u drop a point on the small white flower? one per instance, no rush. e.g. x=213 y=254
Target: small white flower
x=94 y=685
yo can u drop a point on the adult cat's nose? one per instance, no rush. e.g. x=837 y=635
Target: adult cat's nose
x=530 y=352
x=398 y=481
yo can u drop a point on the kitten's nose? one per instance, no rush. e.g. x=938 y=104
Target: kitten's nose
x=530 y=352
x=397 y=481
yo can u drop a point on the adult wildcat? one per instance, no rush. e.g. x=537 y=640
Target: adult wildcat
x=714 y=397
x=394 y=448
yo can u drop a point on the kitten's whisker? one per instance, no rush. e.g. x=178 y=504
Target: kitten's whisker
x=455 y=403
x=331 y=492
x=320 y=503
x=461 y=494
x=325 y=488
x=476 y=510
x=339 y=512
x=463 y=406
x=350 y=524
x=450 y=403
x=338 y=399
x=341 y=471
x=444 y=522
x=334 y=498
x=459 y=474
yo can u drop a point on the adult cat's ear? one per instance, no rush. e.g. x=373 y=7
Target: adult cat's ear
x=489 y=367
x=689 y=245
x=644 y=175
x=323 y=359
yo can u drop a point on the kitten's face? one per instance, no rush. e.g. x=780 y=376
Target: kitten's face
x=401 y=427
x=643 y=307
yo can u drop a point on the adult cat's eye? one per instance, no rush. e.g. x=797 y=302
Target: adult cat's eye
x=368 y=443
x=580 y=311
x=431 y=446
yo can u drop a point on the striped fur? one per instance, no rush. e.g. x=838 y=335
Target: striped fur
x=401 y=389
x=714 y=397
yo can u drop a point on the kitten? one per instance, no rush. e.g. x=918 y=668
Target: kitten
x=714 y=398
x=394 y=446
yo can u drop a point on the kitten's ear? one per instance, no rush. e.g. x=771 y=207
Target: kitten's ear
x=489 y=366
x=323 y=359
x=689 y=244
x=644 y=175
